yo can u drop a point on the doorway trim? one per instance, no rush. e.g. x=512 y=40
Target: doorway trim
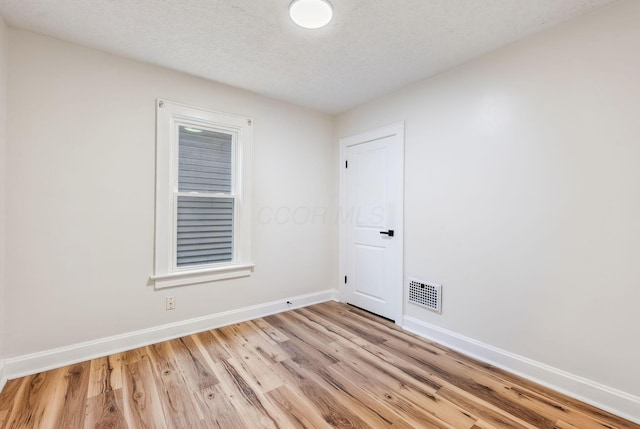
x=395 y=129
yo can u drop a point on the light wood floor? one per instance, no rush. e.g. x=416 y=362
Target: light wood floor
x=329 y=365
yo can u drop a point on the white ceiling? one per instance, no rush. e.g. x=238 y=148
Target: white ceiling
x=372 y=47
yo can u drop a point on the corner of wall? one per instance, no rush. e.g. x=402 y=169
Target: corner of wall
x=3 y=142
x=3 y=375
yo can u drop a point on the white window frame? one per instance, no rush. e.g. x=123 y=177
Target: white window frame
x=170 y=116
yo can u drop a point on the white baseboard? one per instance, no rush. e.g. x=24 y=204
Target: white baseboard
x=604 y=397
x=37 y=362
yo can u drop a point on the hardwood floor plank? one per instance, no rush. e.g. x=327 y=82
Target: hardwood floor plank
x=314 y=359
x=142 y=406
x=192 y=364
x=296 y=330
x=301 y=412
x=326 y=325
x=385 y=406
x=177 y=403
x=239 y=346
x=351 y=361
x=531 y=400
x=247 y=335
x=333 y=410
x=563 y=425
x=75 y=398
x=243 y=397
x=10 y=399
x=208 y=341
x=99 y=376
x=460 y=374
x=14 y=399
x=269 y=331
x=349 y=323
x=222 y=411
x=480 y=424
x=51 y=399
x=380 y=361
x=253 y=361
x=105 y=411
x=104 y=404
x=261 y=377
x=326 y=366
x=486 y=411
x=41 y=399
x=411 y=403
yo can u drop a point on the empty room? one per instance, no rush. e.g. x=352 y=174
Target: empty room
x=320 y=214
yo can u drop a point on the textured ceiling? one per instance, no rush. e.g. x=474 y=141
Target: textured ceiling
x=372 y=47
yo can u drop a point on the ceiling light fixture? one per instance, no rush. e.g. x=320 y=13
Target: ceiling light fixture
x=311 y=13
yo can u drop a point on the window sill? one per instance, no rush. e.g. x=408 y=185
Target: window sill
x=163 y=281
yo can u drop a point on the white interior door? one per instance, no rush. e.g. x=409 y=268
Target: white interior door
x=372 y=220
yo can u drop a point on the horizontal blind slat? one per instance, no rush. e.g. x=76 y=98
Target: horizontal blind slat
x=198 y=243
x=199 y=260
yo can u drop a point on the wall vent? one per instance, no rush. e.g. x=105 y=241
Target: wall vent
x=428 y=295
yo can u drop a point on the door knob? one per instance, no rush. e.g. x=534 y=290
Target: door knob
x=389 y=233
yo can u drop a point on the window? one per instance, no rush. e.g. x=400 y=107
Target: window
x=202 y=196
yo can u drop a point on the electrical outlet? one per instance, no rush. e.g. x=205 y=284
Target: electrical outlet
x=171 y=303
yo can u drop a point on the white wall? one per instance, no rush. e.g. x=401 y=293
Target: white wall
x=523 y=195
x=80 y=205
x=4 y=52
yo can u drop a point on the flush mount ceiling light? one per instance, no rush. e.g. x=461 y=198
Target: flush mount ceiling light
x=311 y=13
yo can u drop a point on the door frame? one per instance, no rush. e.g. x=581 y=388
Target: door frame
x=395 y=129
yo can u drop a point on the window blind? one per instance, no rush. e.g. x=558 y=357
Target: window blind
x=204 y=222
x=205 y=230
x=204 y=161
